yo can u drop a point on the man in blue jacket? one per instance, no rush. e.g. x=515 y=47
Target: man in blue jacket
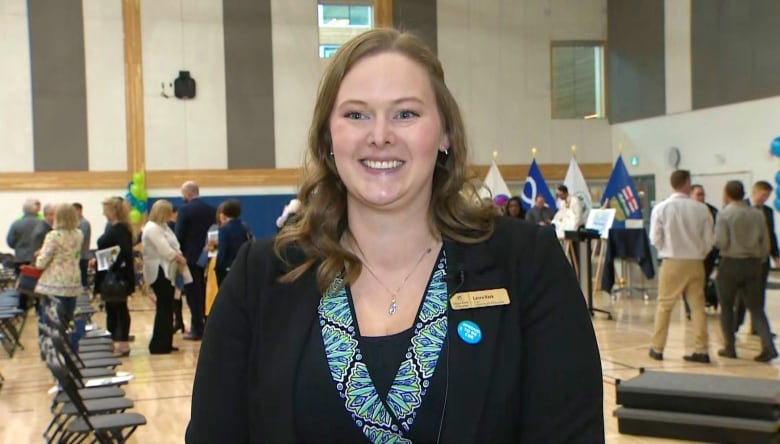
x=192 y=224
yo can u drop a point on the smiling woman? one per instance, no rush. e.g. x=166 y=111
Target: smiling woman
x=395 y=308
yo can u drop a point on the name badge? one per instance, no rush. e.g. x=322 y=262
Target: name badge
x=479 y=299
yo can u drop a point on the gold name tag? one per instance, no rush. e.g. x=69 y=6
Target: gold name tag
x=478 y=299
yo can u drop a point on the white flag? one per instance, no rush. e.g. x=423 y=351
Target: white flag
x=578 y=189
x=494 y=184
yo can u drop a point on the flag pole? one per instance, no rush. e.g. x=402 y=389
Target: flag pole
x=533 y=152
x=495 y=155
x=574 y=151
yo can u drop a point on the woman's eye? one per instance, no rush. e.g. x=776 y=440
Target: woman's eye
x=354 y=115
x=407 y=114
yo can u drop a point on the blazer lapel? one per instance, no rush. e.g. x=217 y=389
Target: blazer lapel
x=287 y=319
x=470 y=366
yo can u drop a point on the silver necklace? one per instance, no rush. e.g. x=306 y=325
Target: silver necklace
x=393 y=294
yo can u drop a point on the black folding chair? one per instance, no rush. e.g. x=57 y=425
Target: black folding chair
x=64 y=410
x=102 y=428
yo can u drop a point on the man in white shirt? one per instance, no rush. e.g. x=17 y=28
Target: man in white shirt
x=681 y=229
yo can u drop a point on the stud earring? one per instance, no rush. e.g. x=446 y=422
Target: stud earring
x=331 y=154
x=446 y=151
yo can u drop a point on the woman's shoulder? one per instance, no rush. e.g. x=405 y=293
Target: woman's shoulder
x=513 y=229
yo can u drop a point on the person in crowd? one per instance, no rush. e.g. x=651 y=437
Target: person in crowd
x=119 y=233
x=743 y=240
x=572 y=205
x=289 y=213
x=682 y=231
x=540 y=213
x=163 y=260
x=710 y=298
x=514 y=208
x=178 y=317
x=352 y=324
x=232 y=235
x=59 y=259
x=211 y=248
x=192 y=224
x=86 y=230
x=44 y=225
x=759 y=195
x=21 y=235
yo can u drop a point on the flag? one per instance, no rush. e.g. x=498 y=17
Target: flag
x=578 y=188
x=495 y=186
x=535 y=185
x=621 y=193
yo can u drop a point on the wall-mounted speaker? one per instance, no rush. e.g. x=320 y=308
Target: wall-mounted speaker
x=184 y=86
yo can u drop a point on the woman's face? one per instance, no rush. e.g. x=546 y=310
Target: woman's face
x=386 y=133
x=109 y=212
x=513 y=208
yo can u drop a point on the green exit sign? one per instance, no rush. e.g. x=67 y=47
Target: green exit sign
x=634 y=160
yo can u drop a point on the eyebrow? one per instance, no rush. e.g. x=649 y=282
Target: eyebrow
x=394 y=102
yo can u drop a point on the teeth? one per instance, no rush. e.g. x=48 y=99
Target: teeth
x=382 y=165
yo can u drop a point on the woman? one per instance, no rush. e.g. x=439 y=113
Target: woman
x=340 y=329
x=59 y=259
x=162 y=262
x=232 y=235
x=118 y=233
x=514 y=208
x=212 y=245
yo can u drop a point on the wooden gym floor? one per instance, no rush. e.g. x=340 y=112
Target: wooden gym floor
x=163 y=383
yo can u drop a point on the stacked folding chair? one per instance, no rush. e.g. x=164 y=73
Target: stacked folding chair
x=88 y=402
x=12 y=320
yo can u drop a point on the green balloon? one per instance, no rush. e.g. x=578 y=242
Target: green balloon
x=143 y=195
x=135 y=216
x=138 y=178
x=136 y=191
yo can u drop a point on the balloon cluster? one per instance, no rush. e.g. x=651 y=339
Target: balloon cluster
x=136 y=195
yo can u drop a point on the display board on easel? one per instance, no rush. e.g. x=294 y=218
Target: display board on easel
x=601 y=220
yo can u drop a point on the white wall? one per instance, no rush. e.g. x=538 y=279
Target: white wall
x=16 y=146
x=496 y=57
x=723 y=139
x=105 y=80
x=184 y=35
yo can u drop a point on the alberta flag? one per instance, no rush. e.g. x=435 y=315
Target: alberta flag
x=494 y=186
x=621 y=193
x=535 y=185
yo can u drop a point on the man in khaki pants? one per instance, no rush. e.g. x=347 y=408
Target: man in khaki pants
x=681 y=229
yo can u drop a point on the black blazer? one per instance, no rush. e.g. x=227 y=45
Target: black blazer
x=232 y=236
x=534 y=378
x=192 y=224
x=769 y=215
x=118 y=234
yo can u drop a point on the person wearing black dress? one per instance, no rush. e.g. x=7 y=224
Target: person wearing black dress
x=118 y=232
x=398 y=307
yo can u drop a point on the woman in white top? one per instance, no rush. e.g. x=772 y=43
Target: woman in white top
x=162 y=261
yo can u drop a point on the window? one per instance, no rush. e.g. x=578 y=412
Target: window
x=328 y=51
x=345 y=15
x=340 y=21
x=578 y=80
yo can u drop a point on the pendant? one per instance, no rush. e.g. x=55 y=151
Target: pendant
x=393 y=307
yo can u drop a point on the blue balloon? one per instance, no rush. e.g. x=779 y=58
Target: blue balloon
x=141 y=206
x=130 y=198
x=129 y=184
x=777 y=204
x=776 y=146
x=777 y=178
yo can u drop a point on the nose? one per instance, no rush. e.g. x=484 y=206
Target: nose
x=381 y=133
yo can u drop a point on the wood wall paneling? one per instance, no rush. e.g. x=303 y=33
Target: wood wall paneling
x=134 y=87
x=383 y=13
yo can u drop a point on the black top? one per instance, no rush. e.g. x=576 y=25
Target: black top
x=118 y=234
x=320 y=412
x=535 y=377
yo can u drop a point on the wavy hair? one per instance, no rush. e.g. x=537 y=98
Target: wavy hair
x=453 y=213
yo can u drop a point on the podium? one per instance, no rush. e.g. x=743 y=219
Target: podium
x=586 y=236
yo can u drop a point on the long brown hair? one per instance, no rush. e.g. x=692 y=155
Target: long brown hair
x=453 y=213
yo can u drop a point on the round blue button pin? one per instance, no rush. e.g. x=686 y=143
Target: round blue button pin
x=469 y=332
